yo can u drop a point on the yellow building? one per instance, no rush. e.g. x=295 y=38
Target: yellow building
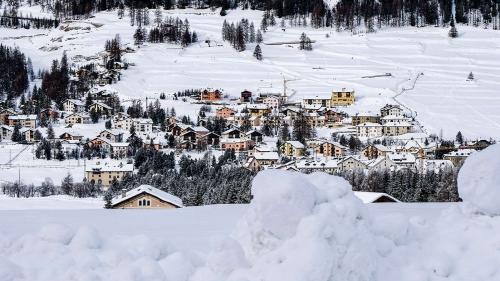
x=105 y=173
x=293 y=149
x=342 y=98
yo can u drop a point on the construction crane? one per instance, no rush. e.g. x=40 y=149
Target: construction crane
x=284 y=86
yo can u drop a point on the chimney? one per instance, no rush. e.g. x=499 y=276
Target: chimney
x=124 y=192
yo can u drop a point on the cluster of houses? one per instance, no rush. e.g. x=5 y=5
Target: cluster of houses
x=255 y=150
x=318 y=111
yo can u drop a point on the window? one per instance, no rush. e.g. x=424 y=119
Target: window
x=144 y=203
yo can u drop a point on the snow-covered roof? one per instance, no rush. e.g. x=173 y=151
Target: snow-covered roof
x=110 y=167
x=402 y=157
x=22 y=117
x=115 y=132
x=435 y=165
x=372 y=197
x=143 y=120
x=369 y=124
x=382 y=147
x=230 y=130
x=75 y=102
x=367 y=114
x=235 y=140
x=267 y=155
x=390 y=106
x=461 y=153
x=25 y=129
x=162 y=195
x=296 y=144
x=413 y=144
x=101 y=104
x=318 y=97
x=394 y=117
x=81 y=114
x=321 y=164
x=199 y=129
x=119 y=144
x=259 y=106
x=397 y=124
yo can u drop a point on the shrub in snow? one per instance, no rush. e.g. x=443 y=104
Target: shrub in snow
x=479 y=180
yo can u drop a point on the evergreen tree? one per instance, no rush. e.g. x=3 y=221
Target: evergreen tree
x=284 y=134
x=16 y=134
x=470 y=77
x=302 y=129
x=67 y=184
x=453 y=33
x=259 y=38
x=139 y=36
x=108 y=198
x=94 y=116
x=251 y=38
x=257 y=53
x=50 y=132
x=459 y=138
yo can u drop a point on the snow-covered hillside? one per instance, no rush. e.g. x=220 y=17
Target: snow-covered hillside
x=431 y=67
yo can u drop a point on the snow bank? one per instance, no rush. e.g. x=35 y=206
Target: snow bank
x=298 y=227
x=479 y=180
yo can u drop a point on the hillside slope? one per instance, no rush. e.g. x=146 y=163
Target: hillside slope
x=430 y=66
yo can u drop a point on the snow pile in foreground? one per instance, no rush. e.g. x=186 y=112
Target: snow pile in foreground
x=298 y=227
x=479 y=180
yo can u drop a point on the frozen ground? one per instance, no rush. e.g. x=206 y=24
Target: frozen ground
x=441 y=98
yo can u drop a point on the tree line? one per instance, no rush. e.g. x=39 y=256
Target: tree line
x=196 y=181
x=240 y=34
x=171 y=30
x=407 y=185
x=27 y=22
x=14 y=77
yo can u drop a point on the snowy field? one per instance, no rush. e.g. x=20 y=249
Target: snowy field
x=441 y=99
x=57 y=202
x=18 y=161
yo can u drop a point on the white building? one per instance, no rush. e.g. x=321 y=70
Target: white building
x=272 y=102
x=77 y=118
x=391 y=109
x=369 y=130
x=72 y=105
x=143 y=125
x=394 y=119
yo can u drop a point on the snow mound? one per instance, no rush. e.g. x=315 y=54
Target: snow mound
x=301 y=227
x=479 y=180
